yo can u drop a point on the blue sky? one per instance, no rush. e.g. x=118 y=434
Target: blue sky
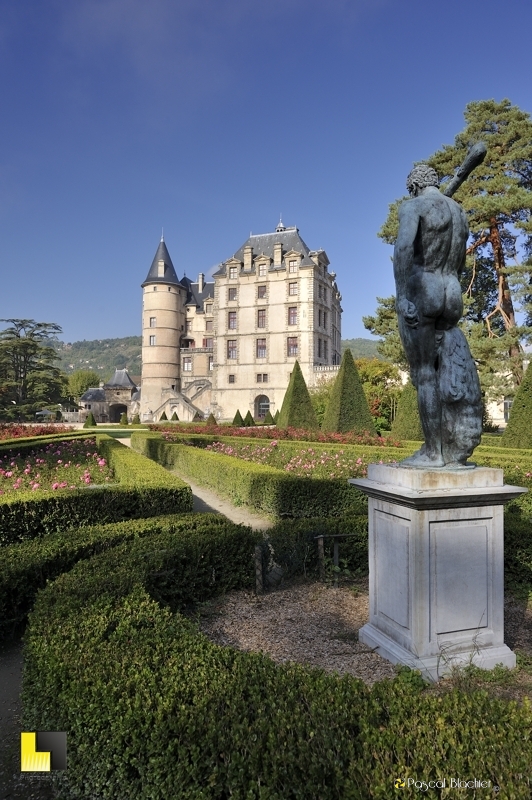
x=210 y=118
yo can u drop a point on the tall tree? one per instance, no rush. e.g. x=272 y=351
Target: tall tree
x=81 y=380
x=29 y=379
x=497 y=198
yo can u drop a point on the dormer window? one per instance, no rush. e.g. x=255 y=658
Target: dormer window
x=233 y=272
x=263 y=270
x=160 y=269
x=292 y=265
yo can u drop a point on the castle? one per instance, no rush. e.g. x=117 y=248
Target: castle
x=215 y=347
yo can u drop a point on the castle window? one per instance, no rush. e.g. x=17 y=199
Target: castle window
x=291 y=345
x=319 y=348
x=261 y=292
x=319 y=291
x=160 y=269
x=152 y=341
x=188 y=325
x=292 y=315
x=231 y=320
x=231 y=293
x=324 y=294
x=232 y=378
x=319 y=317
x=154 y=288
x=292 y=288
x=325 y=319
x=208 y=342
x=153 y=322
x=211 y=362
x=261 y=318
x=208 y=309
x=169 y=288
x=262 y=377
x=233 y=272
x=292 y=266
x=261 y=348
x=231 y=348
x=263 y=270
x=187 y=364
x=325 y=350
x=208 y=324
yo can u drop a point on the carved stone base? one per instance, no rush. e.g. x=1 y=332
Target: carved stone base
x=436 y=567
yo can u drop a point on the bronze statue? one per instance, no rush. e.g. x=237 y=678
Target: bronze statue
x=428 y=258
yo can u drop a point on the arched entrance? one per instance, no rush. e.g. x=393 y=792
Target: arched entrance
x=262 y=406
x=116 y=411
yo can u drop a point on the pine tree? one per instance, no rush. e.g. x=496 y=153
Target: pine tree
x=407 y=423
x=249 y=422
x=174 y=417
x=518 y=432
x=238 y=422
x=348 y=408
x=297 y=410
x=90 y=422
x=163 y=417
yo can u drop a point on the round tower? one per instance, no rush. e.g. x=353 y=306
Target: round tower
x=163 y=322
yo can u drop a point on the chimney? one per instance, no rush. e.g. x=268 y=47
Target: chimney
x=248 y=257
x=277 y=254
x=201 y=282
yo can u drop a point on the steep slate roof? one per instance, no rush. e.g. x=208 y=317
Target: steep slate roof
x=194 y=295
x=263 y=243
x=93 y=395
x=121 y=379
x=170 y=276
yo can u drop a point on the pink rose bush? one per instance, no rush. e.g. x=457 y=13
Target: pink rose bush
x=54 y=466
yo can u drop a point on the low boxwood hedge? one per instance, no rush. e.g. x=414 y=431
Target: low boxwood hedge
x=266 y=489
x=144 y=490
x=153 y=710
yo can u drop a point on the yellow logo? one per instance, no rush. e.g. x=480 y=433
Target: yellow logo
x=43 y=751
x=399 y=783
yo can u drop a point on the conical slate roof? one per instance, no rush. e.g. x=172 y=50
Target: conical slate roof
x=169 y=276
x=121 y=378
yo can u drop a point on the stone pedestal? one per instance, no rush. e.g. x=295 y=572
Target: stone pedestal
x=436 y=566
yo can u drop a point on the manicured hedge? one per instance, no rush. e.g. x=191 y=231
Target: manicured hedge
x=169 y=714
x=26 y=568
x=145 y=489
x=266 y=489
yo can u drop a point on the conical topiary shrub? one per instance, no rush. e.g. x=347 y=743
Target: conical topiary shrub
x=238 y=422
x=407 y=423
x=276 y=416
x=135 y=420
x=90 y=422
x=297 y=411
x=211 y=420
x=268 y=419
x=248 y=420
x=347 y=409
x=163 y=417
x=518 y=432
x=123 y=419
x=174 y=417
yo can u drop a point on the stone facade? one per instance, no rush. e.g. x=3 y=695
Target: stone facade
x=215 y=347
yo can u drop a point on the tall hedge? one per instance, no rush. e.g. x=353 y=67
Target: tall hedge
x=518 y=432
x=348 y=408
x=297 y=410
x=407 y=423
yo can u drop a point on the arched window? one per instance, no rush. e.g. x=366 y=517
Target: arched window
x=262 y=406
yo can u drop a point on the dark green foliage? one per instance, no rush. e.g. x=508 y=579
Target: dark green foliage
x=174 y=417
x=348 y=408
x=211 y=419
x=518 y=432
x=123 y=419
x=135 y=420
x=238 y=422
x=197 y=417
x=163 y=417
x=297 y=410
x=249 y=422
x=145 y=490
x=268 y=419
x=90 y=422
x=276 y=416
x=407 y=423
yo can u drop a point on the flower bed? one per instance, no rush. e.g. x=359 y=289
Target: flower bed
x=173 y=433
x=16 y=431
x=57 y=465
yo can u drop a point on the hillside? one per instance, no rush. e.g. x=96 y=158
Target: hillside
x=106 y=355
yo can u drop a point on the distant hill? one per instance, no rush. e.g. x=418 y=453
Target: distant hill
x=101 y=355
x=106 y=355
x=362 y=348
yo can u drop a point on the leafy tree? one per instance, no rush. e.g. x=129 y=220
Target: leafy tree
x=297 y=411
x=407 y=423
x=81 y=380
x=497 y=198
x=90 y=422
x=518 y=432
x=29 y=379
x=238 y=422
x=348 y=408
x=384 y=324
x=382 y=386
x=320 y=394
